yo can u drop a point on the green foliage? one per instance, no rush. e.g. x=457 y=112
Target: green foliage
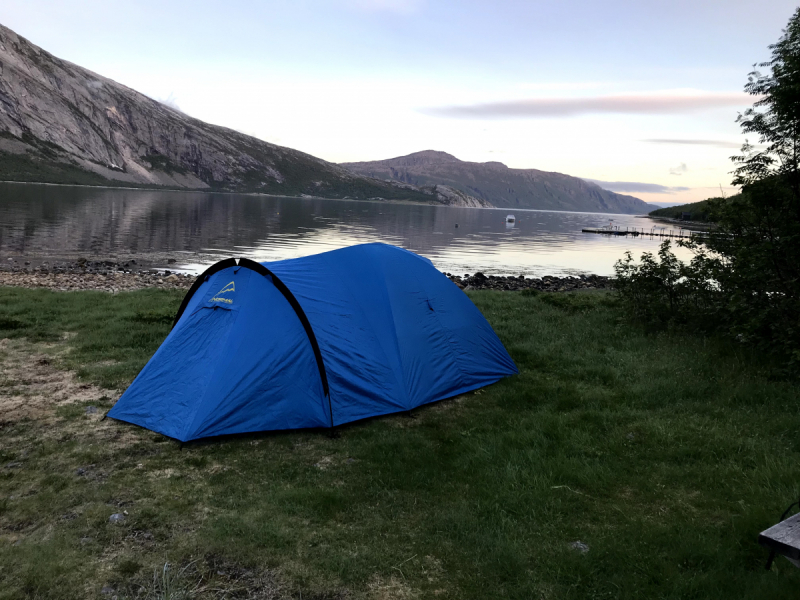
x=26 y=167
x=666 y=454
x=700 y=211
x=744 y=280
x=778 y=124
x=662 y=289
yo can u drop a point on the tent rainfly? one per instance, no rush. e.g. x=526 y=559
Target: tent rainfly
x=313 y=342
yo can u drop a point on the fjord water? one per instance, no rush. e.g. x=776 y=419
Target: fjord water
x=196 y=228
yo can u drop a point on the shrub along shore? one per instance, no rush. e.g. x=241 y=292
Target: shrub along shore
x=617 y=464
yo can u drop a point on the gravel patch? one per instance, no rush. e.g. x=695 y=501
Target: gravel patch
x=106 y=276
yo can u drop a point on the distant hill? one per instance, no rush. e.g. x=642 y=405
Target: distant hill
x=496 y=183
x=698 y=211
x=656 y=205
x=61 y=123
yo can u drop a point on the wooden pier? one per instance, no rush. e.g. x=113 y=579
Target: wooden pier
x=658 y=232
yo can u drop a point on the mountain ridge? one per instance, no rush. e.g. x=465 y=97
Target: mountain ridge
x=503 y=186
x=61 y=123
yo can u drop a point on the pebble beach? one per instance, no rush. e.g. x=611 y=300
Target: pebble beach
x=114 y=276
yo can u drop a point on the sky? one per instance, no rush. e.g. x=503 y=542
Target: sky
x=639 y=95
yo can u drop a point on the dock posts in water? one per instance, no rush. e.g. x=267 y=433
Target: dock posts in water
x=671 y=234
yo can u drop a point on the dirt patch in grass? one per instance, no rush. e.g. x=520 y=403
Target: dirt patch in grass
x=31 y=387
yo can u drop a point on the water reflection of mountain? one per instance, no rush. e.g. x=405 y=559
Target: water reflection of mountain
x=61 y=221
x=45 y=219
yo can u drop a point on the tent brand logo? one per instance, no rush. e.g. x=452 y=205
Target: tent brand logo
x=228 y=288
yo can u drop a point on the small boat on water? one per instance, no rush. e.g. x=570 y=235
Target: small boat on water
x=510 y=219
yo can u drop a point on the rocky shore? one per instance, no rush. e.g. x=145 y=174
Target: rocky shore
x=106 y=276
x=548 y=283
x=113 y=276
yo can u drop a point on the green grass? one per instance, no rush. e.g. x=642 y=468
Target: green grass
x=111 y=337
x=666 y=454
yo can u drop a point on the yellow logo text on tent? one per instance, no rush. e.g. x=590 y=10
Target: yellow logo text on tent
x=228 y=288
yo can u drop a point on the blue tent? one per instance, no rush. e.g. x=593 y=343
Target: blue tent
x=313 y=342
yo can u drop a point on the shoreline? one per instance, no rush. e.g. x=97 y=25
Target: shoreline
x=210 y=190
x=84 y=275
x=115 y=276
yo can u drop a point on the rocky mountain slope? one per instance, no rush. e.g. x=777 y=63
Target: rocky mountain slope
x=444 y=194
x=61 y=123
x=496 y=183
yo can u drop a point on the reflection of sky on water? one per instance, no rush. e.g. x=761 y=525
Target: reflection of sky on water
x=531 y=246
x=71 y=221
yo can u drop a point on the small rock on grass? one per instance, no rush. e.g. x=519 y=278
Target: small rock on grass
x=116 y=518
x=579 y=546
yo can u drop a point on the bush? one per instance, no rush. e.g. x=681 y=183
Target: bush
x=662 y=289
x=742 y=282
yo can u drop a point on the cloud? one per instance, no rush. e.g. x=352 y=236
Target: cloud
x=652 y=104
x=717 y=143
x=562 y=85
x=679 y=170
x=170 y=101
x=636 y=187
x=394 y=6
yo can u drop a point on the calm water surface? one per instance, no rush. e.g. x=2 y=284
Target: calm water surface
x=198 y=228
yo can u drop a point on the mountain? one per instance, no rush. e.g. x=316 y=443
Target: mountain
x=61 y=123
x=500 y=185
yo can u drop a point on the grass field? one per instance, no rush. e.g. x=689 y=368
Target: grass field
x=664 y=454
